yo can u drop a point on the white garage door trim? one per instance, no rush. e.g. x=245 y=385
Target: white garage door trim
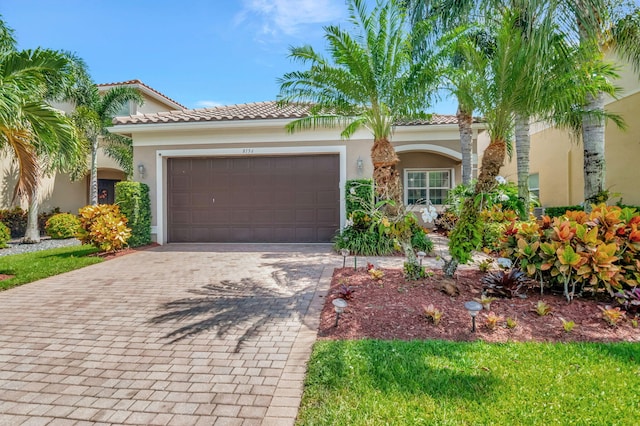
x=162 y=155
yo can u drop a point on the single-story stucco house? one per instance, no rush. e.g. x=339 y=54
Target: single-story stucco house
x=234 y=174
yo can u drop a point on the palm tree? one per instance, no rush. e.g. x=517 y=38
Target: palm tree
x=28 y=125
x=459 y=79
x=371 y=81
x=519 y=52
x=93 y=115
x=606 y=25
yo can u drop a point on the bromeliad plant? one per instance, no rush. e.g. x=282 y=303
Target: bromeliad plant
x=579 y=251
x=511 y=283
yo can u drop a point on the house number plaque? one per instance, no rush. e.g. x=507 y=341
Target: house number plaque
x=247 y=150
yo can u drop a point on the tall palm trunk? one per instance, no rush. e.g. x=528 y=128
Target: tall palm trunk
x=386 y=176
x=593 y=139
x=465 y=120
x=32 y=233
x=492 y=161
x=523 y=146
x=466 y=236
x=93 y=190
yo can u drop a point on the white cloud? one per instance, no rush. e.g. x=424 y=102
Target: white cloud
x=290 y=16
x=208 y=104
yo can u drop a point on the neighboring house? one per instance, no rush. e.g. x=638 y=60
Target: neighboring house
x=556 y=166
x=233 y=173
x=59 y=190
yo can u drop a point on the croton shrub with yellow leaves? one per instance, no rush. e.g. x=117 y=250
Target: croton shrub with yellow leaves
x=579 y=252
x=104 y=227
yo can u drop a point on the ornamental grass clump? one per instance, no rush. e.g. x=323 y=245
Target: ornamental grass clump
x=104 y=227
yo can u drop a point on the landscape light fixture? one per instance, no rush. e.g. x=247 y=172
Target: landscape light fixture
x=421 y=256
x=344 y=252
x=473 y=307
x=339 y=305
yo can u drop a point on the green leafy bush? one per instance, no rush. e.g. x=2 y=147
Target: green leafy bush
x=373 y=234
x=62 y=225
x=103 y=226
x=5 y=235
x=420 y=241
x=560 y=211
x=134 y=202
x=16 y=220
x=359 y=195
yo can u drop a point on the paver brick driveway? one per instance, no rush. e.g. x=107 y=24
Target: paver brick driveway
x=181 y=334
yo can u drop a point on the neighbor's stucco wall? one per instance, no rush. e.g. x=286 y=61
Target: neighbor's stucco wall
x=558 y=159
x=152 y=106
x=57 y=190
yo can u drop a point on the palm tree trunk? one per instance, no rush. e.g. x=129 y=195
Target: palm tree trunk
x=93 y=190
x=523 y=146
x=492 y=161
x=385 y=175
x=32 y=233
x=593 y=139
x=466 y=236
x=465 y=120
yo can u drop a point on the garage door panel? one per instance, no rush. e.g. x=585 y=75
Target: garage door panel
x=305 y=216
x=285 y=216
x=257 y=199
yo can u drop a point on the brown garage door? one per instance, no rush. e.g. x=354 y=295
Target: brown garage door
x=253 y=199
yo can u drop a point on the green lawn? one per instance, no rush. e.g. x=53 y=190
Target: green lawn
x=370 y=382
x=30 y=267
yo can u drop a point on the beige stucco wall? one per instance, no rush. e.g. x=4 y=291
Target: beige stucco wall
x=152 y=106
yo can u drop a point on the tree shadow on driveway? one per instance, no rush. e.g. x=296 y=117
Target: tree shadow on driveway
x=242 y=307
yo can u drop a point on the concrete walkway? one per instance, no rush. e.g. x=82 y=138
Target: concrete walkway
x=181 y=334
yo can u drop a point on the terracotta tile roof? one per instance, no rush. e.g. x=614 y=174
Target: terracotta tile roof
x=140 y=83
x=250 y=111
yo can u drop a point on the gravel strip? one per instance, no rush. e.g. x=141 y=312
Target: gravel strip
x=14 y=246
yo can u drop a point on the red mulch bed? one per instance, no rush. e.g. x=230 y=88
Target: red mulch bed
x=392 y=308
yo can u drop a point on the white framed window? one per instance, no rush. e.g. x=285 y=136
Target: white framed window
x=125 y=109
x=534 y=184
x=421 y=185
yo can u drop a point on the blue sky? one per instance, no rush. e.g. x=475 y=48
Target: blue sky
x=199 y=52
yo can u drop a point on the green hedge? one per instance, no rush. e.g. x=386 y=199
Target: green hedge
x=359 y=195
x=135 y=205
x=561 y=210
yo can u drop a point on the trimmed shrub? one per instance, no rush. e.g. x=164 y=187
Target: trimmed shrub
x=16 y=220
x=62 y=225
x=103 y=226
x=134 y=202
x=560 y=211
x=359 y=195
x=580 y=252
x=5 y=235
